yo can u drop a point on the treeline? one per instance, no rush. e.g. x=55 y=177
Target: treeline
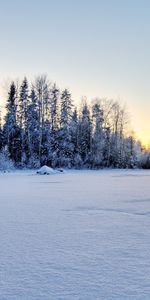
x=42 y=126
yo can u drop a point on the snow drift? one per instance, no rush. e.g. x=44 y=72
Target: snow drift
x=45 y=170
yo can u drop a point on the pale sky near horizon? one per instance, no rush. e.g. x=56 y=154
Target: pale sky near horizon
x=96 y=48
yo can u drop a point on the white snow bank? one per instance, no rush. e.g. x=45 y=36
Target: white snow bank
x=45 y=170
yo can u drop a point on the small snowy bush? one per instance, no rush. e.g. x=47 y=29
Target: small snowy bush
x=145 y=160
x=33 y=163
x=78 y=163
x=6 y=164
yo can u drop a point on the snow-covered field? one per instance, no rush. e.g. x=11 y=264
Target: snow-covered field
x=77 y=235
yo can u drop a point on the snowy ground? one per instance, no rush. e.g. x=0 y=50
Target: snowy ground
x=79 y=235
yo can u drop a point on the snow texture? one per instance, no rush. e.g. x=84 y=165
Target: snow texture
x=79 y=235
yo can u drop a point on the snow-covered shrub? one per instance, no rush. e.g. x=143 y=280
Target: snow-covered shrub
x=33 y=163
x=78 y=163
x=6 y=164
x=54 y=160
x=64 y=162
x=145 y=160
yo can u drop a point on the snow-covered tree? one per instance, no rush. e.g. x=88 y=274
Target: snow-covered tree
x=1 y=133
x=97 y=156
x=41 y=127
x=54 y=123
x=11 y=130
x=22 y=118
x=43 y=108
x=85 y=134
x=65 y=143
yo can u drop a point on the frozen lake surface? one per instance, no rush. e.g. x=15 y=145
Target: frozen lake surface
x=81 y=235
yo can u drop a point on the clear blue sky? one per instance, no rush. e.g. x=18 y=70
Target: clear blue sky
x=94 y=47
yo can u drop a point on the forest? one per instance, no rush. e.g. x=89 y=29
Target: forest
x=42 y=125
